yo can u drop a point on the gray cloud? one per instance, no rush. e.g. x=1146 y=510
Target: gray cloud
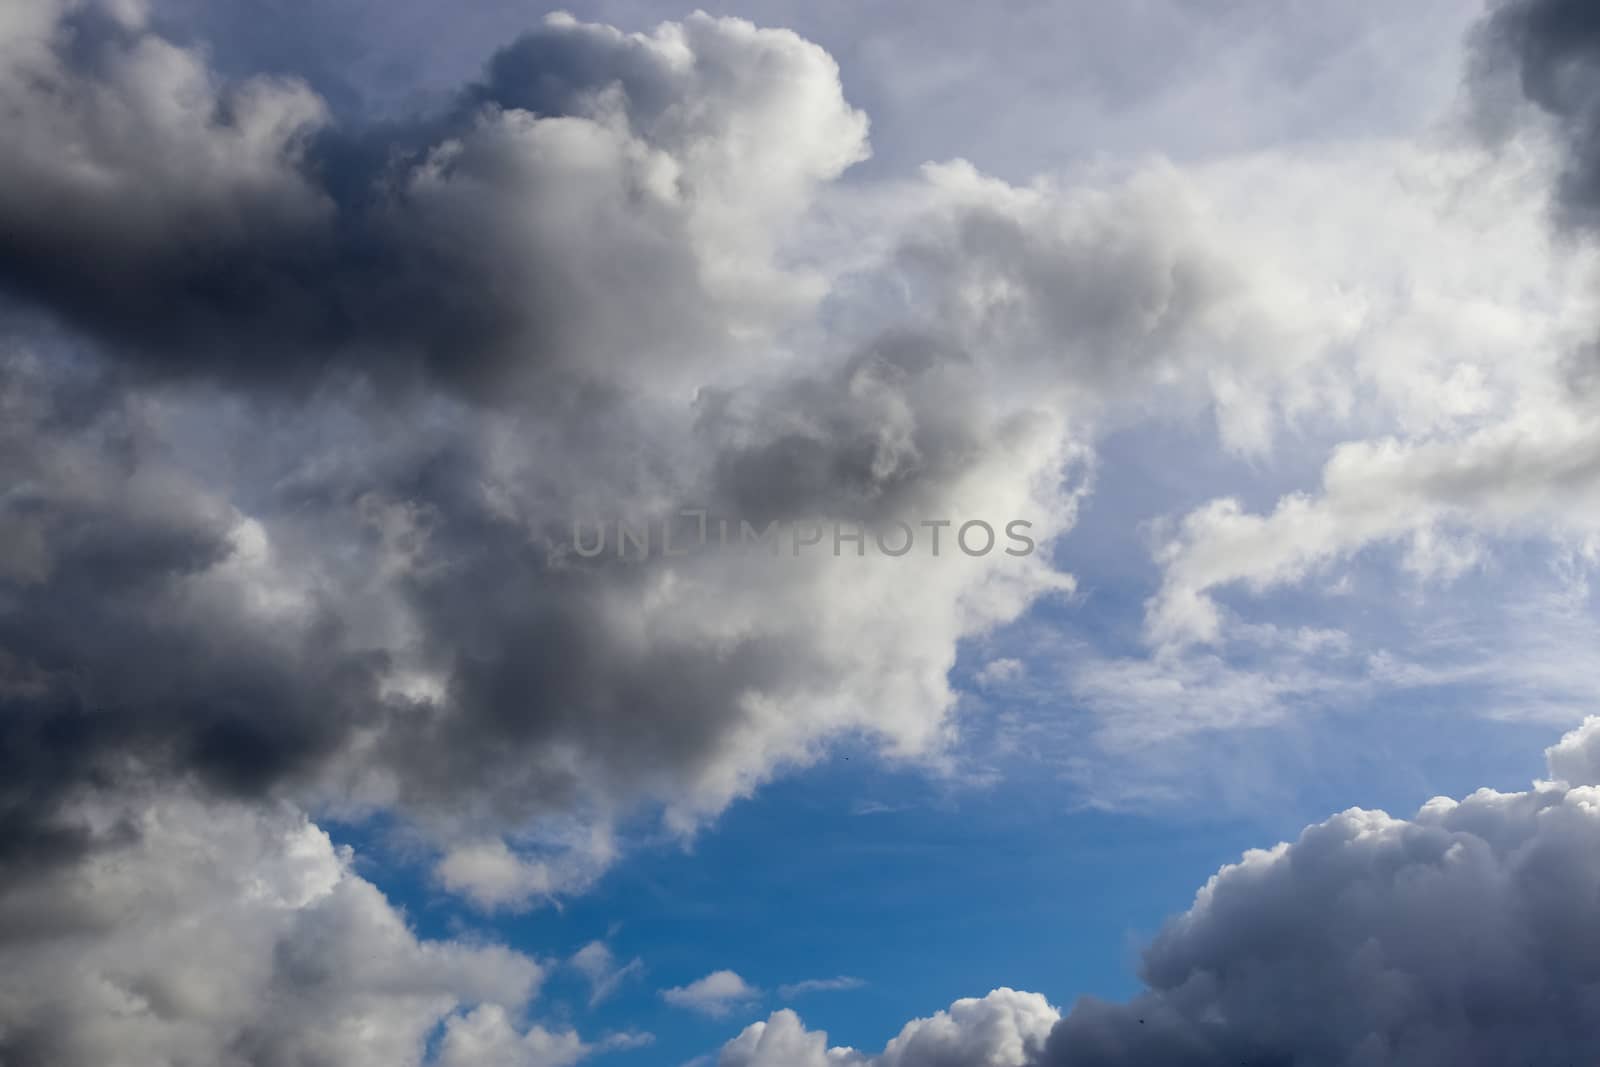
x=1461 y=936
x=130 y=633
x=567 y=211
x=363 y=599
x=250 y=602
x=1551 y=50
x=395 y=617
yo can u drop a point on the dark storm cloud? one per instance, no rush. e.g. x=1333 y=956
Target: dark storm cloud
x=111 y=663
x=1552 y=50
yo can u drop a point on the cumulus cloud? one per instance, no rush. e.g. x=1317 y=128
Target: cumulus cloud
x=97 y=515
x=204 y=933
x=1575 y=759
x=717 y=994
x=375 y=600
x=234 y=231
x=1460 y=935
x=301 y=411
x=367 y=599
x=1004 y=1029
x=448 y=621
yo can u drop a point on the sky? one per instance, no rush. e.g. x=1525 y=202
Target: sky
x=792 y=534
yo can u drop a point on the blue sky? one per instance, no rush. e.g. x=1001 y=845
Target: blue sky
x=323 y=326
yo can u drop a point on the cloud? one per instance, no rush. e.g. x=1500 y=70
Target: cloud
x=819 y=985
x=1456 y=936
x=1537 y=70
x=493 y=876
x=233 y=231
x=1466 y=428
x=1532 y=473
x=486 y=1035
x=999 y=672
x=597 y=963
x=1575 y=759
x=1004 y=1029
x=387 y=616
x=98 y=516
x=1551 y=51
x=717 y=994
x=226 y=933
x=366 y=598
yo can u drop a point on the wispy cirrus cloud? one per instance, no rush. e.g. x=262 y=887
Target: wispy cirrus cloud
x=597 y=963
x=819 y=985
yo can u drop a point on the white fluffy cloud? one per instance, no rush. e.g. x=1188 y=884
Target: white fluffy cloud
x=1529 y=475
x=218 y=934
x=1576 y=758
x=1451 y=408
x=1004 y=1029
x=717 y=994
x=487 y=1036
